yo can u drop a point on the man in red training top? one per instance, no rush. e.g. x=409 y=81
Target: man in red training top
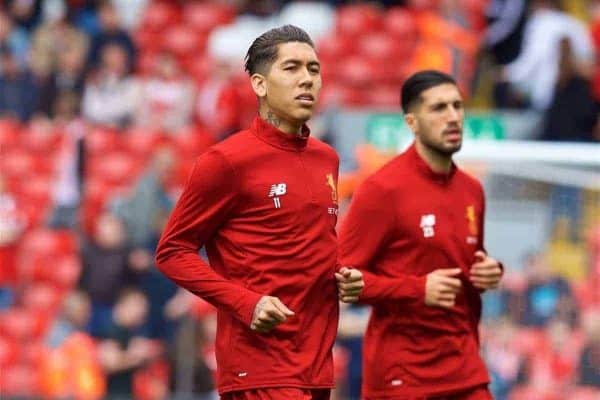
x=415 y=230
x=264 y=204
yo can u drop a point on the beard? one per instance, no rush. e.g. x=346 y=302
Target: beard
x=440 y=148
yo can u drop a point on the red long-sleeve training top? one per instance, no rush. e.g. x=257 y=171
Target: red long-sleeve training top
x=404 y=222
x=264 y=204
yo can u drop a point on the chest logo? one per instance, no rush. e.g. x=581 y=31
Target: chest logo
x=277 y=190
x=472 y=219
x=428 y=224
x=331 y=183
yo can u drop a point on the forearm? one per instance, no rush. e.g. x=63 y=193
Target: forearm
x=190 y=272
x=379 y=288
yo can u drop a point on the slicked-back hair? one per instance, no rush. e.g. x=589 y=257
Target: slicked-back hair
x=263 y=51
x=420 y=82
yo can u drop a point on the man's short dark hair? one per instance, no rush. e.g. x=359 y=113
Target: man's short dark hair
x=263 y=50
x=420 y=82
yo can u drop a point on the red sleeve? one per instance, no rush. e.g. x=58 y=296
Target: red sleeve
x=207 y=200
x=364 y=235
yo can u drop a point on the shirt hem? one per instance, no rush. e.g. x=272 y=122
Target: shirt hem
x=424 y=391
x=263 y=385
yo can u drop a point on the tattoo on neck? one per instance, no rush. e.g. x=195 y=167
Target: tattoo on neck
x=272 y=119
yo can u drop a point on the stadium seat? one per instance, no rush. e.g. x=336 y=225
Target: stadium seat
x=147 y=41
x=47 y=242
x=15 y=162
x=115 y=168
x=142 y=141
x=399 y=22
x=100 y=140
x=159 y=15
x=9 y=133
x=41 y=297
x=9 y=351
x=183 y=40
x=21 y=324
x=192 y=141
x=205 y=16
x=19 y=381
x=359 y=72
x=332 y=48
x=384 y=96
x=356 y=20
x=36 y=189
x=41 y=137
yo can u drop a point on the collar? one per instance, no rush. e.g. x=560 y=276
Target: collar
x=425 y=170
x=280 y=139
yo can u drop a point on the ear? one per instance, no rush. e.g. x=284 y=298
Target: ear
x=259 y=85
x=411 y=121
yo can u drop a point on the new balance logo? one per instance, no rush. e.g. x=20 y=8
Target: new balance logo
x=427 y=224
x=278 y=189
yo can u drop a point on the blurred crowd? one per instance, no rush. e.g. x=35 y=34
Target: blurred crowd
x=104 y=106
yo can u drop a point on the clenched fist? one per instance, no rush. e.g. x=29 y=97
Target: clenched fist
x=268 y=313
x=350 y=284
x=442 y=286
x=485 y=272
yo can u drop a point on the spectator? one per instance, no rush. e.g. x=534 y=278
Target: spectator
x=589 y=363
x=18 y=88
x=111 y=94
x=56 y=36
x=534 y=73
x=12 y=225
x=219 y=104
x=150 y=201
x=71 y=162
x=70 y=368
x=106 y=269
x=26 y=13
x=504 y=33
x=573 y=112
x=166 y=97
x=110 y=33
x=546 y=294
x=504 y=360
x=67 y=78
x=15 y=39
x=125 y=348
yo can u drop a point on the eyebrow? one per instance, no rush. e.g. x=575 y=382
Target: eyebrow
x=298 y=62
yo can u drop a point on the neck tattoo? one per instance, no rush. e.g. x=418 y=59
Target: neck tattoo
x=273 y=120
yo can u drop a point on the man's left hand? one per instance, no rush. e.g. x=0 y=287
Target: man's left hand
x=350 y=284
x=486 y=272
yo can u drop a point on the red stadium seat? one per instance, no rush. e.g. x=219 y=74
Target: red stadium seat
x=381 y=46
x=400 y=23
x=356 y=20
x=147 y=41
x=41 y=137
x=384 y=96
x=49 y=242
x=205 y=16
x=182 y=40
x=335 y=47
x=16 y=162
x=159 y=15
x=9 y=351
x=20 y=381
x=36 y=189
x=191 y=141
x=143 y=140
x=358 y=71
x=9 y=133
x=145 y=62
x=101 y=140
x=21 y=324
x=116 y=168
x=41 y=297
x=198 y=67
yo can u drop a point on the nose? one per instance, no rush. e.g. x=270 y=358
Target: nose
x=453 y=114
x=307 y=79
